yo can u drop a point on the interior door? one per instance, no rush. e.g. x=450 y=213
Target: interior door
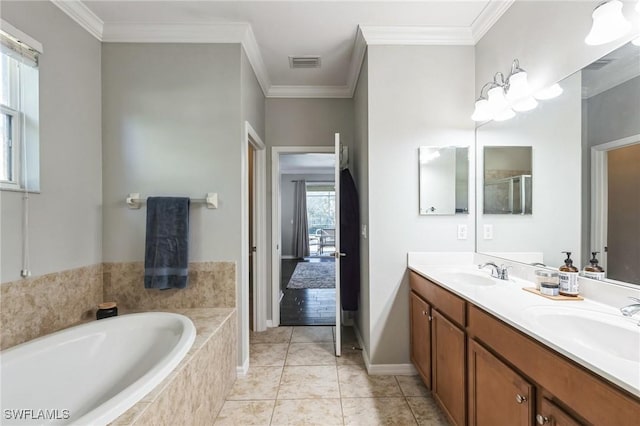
x=337 y=253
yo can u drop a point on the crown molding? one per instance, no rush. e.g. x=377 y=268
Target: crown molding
x=410 y=35
x=252 y=49
x=488 y=17
x=80 y=13
x=278 y=91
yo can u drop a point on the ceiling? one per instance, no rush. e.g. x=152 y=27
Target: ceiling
x=308 y=163
x=271 y=31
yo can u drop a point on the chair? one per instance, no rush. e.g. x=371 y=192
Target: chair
x=327 y=239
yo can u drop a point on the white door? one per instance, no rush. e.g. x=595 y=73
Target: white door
x=337 y=253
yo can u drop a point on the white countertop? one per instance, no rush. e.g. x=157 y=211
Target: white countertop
x=506 y=300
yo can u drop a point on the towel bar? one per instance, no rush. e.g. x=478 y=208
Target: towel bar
x=211 y=200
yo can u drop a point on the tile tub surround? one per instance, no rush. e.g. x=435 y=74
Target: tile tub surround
x=281 y=388
x=211 y=285
x=36 y=306
x=195 y=391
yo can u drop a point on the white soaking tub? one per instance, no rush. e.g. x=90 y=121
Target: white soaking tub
x=92 y=373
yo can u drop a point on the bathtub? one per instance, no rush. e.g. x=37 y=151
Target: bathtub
x=91 y=373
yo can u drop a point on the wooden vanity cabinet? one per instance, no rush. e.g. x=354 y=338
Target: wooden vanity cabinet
x=551 y=415
x=421 y=337
x=448 y=367
x=440 y=352
x=483 y=371
x=497 y=394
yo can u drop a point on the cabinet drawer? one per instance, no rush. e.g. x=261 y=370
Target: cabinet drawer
x=444 y=301
x=595 y=400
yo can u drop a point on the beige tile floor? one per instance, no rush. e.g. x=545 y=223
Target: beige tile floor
x=295 y=379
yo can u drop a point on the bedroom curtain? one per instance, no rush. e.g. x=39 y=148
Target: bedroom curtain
x=300 y=223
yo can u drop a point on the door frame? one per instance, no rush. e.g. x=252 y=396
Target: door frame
x=250 y=136
x=276 y=235
x=600 y=191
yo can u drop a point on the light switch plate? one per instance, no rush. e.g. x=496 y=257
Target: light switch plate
x=462 y=231
x=487 y=232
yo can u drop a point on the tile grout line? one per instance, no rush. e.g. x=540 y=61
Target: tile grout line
x=340 y=392
x=280 y=381
x=406 y=401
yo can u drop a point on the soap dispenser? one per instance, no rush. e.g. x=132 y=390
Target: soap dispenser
x=568 y=276
x=594 y=271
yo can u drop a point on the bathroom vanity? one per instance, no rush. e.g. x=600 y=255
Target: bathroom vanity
x=489 y=353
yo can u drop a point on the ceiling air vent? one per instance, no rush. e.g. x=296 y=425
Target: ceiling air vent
x=304 y=61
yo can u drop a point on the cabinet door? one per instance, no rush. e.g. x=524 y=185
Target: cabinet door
x=421 y=337
x=448 y=367
x=552 y=415
x=497 y=394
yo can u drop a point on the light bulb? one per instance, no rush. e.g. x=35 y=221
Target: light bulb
x=482 y=111
x=608 y=23
x=497 y=100
x=518 y=87
x=550 y=92
x=505 y=114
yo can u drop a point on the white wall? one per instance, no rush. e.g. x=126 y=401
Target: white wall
x=302 y=122
x=553 y=130
x=418 y=96
x=65 y=217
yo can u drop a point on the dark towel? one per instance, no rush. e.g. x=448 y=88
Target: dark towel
x=166 y=257
x=349 y=242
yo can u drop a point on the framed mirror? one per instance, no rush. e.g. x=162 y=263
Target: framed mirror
x=507 y=180
x=444 y=180
x=585 y=156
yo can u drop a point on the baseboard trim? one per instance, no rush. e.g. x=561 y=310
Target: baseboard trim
x=391 y=370
x=241 y=370
x=383 y=369
x=269 y=324
x=289 y=257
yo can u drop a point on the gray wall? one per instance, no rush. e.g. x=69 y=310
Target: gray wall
x=171 y=129
x=360 y=156
x=65 y=218
x=426 y=100
x=302 y=122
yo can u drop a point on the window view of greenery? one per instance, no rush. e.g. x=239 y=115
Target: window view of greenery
x=321 y=204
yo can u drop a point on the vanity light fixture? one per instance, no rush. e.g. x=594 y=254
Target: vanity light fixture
x=608 y=23
x=550 y=92
x=497 y=99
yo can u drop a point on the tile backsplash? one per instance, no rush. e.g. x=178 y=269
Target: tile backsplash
x=35 y=306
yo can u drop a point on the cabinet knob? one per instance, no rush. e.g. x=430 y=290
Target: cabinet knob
x=424 y=312
x=520 y=399
x=542 y=420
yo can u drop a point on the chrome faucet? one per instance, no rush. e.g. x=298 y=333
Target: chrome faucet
x=632 y=309
x=501 y=272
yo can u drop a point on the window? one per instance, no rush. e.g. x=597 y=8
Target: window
x=321 y=204
x=19 y=111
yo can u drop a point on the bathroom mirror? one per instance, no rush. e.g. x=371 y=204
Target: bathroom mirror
x=507 y=180
x=585 y=157
x=444 y=180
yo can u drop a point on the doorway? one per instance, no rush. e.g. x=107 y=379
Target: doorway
x=307 y=237
x=615 y=180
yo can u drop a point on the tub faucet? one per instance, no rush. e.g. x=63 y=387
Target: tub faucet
x=631 y=310
x=501 y=272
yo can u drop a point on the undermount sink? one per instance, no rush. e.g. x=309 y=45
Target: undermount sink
x=468 y=278
x=602 y=332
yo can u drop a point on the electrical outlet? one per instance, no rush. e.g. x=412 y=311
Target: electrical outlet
x=462 y=232
x=488 y=232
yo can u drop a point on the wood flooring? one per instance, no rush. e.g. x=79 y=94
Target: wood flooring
x=307 y=306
